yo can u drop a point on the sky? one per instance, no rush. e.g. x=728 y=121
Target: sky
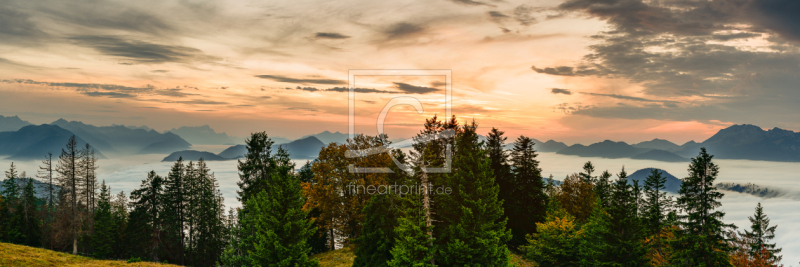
x=574 y=71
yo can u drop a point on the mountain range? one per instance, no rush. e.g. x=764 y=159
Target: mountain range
x=13 y=123
x=305 y=148
x=124 y=140
x=202 y=135
x=35 y=141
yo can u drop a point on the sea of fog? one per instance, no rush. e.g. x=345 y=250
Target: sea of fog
x=127 y=174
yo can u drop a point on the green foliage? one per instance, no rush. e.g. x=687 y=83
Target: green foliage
x=280 y=224
x=473 y=225
x=602 y=189
x=701 y=240
x=557 y=240
x=413 y=244
x=104 y=226
x=257 y=166
x=657 y=203
x=594 y=248
x=588 y=169
x=626 y=235
x=134 y=260
x=12 y=221
x=526 y=203
x=760 y=234
x=146 y=217
x=175 y=200
x=373 y=247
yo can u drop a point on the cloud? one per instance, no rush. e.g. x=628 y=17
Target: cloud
x=17 y=28
x=402 y=30
x=565 y=71
x=556 y=91
x=359 y=90
x=175 y=92
x=632 y=98
x=141 y=52
x=524 y=15
x=741 y=35
x=284 y=79
x=330 y=35
x=199 y=102
x=407 y=88
x=108 y=94
x=471 y=3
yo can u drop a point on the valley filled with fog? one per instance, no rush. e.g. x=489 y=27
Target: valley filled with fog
x=127 y=174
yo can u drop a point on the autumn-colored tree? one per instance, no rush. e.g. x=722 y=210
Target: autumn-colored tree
x=339 y=192
x=556 y=241
x=576 y=197
x=658 y=254
x=742 y=256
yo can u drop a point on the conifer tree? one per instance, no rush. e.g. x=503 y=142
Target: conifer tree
x=760 y=235
x=319 y=239
x=700 y=241
x=258 y=164
x=627 y=235
x=413 y=244
x=657 y=203
x=527 y=204
x=175 y=201
x=594 y=248
x=31 y=227
x=280 y=224
x=373 y=247
x=12 y=219
x=474 y=232
x=495 y=150
x=48 y=208
x=603 y=189
x=588 y=169
x=147 y=214
x=209 y=236
x=68 y=172
x=104 y=225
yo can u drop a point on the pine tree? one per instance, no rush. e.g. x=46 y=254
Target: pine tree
x=527 y=204
x=373 y=247
x=48 y=208
x=12 y=217
x=147 y=215
x=760 y=235
x=627 y=235
x=594 y=248
x=68 y=171
x=28 y=210
x=175 y=201
x=588 y=169
x=700 y=241
x=209 y=237
x=495 y=150
x=603 y=189
x=258 y=164
x=413 y=244
x=280 y=224
x=474 y=232
x=104 y=225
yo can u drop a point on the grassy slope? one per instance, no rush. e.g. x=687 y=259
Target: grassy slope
x=344 y=258
x=16 y=255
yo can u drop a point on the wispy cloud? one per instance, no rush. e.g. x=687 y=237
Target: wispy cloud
x=284 y=79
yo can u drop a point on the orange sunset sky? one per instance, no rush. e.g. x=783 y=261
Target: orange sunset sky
x=574 y=71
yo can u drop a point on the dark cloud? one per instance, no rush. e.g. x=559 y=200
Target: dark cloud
x=565 y=70
x=359 y=90
x=632 y=98
x=524 y=15
x=728 y=37
x=781 y=16
x=285 y=79
x=141 y=52
x=471 y=3
x=556 y=91
x=173 y=93
x=309 y=89
x=330 y=35
x=438 y=84
x=408 y=88
x=402 y=30
x=199 y=102
x=108 y=94
x=16 y=27
x=497 y=14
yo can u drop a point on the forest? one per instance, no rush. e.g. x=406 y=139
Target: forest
x=498 y=204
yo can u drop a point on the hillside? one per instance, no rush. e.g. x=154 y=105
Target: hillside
x=35 y=141
x=306 y=148
x=549 y=146
x=124 y=140
x=23 y=256
x=202 y=135
x=751 y=142
x=234 y=152
x=673 y=184
x=605 y=149
x=658 y=144
x=10 y=124
x=345 y=257
x=328 y=137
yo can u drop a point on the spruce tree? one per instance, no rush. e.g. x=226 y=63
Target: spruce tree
x=209 y=236
x=174 y=202
x=31 y=227
x=104 y=225
x=413 y=244
x=760 y=235
x=603 y=189
x=656 y=204
x=594 y=248
x=588 y=169
x=48 y=208
x=557 y=240
x=627 y=235
x=701 y=240
x=13 y=221
x=373 y=247
x=147 y=215
x=258 y=164
x=281 y=227
x=474 y=231
x=527 y=204
x=496 y=152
